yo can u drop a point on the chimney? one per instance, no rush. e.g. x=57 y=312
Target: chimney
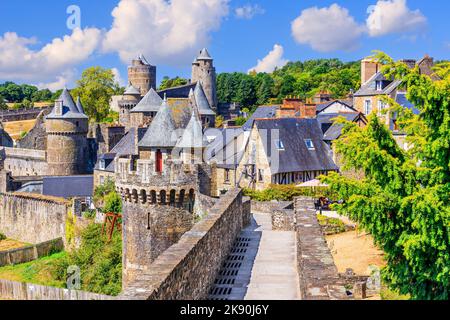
x=411 y=63
x=368 y=69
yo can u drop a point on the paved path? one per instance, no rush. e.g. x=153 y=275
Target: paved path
x=261 y=265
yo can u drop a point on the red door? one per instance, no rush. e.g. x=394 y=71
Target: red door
x=159 y=161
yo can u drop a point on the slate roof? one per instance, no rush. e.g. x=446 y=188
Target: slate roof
x=79 y=105
x=296 y=157
x=161 y=132
x=228 y=153
x=177 y=92
x=68 y=186
x=201 y=101
x=204 y=55
x=126 y=146
x=326 y=119
x=322 y=106
x=193 y=135
x=131 y=90
x=263 y=112
x=369 y=88
x=151 y=102
x=404 y=102
x=69 y=110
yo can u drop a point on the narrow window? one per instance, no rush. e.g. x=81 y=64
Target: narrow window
x=309 y=144
x=148 y=221
x=227 y=175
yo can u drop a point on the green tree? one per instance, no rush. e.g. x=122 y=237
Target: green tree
x=95 y=88
x=113 y=203
x=167 y=82
x=403 y=201
x=3 y=105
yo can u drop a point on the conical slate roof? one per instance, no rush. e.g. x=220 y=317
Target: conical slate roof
x=204 y=55
x=201 y=101
x=131 y=90
x=69 y=108
x=151 y=102
x=80 y=105
x=161 y=132
x=193 y=135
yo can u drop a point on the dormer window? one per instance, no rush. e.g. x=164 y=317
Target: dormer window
x=309 y=144
x=102 y=165
x=279 y=144
x=379 y=85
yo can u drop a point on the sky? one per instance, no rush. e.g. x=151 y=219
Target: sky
x=49 y=43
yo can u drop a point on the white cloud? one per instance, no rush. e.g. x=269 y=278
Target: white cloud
x=166 y=32
x=118 y=78
x=273 y=60
x=393 y=16
x=52 y=63
x=66 y=79
x=248 y=11
x=327 y=29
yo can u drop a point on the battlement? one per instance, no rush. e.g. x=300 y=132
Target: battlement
x=25 y=153
x=143 y=173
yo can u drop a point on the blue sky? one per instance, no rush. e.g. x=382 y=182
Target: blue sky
x=236 y=32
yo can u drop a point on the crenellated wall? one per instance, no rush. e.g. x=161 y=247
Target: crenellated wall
x=25 y=162
x=32 y=218
x=187 y=270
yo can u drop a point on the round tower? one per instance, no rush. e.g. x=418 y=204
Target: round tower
x=67 y=129
x=142 y=75
x=203 y=71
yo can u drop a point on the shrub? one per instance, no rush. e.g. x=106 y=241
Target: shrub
x=2 y=236
x=113 y=203
x=287 y=193
x=99 y=260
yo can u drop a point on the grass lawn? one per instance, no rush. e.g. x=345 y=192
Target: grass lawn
x=37 y=272
x=9 y=244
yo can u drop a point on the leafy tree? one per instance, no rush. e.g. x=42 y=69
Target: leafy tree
x=95 y=88
x=167 y=82
x=102 y=190
x=99 y=260
x=42 y=95
x=113 y=203
x=219 y=121
x=3 y=105
x=403 y=201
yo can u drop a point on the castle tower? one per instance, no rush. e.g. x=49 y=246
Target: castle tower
x=131 y=97
x=67 y=129
x=142 y=75
x=203 y=71
x=158 y=192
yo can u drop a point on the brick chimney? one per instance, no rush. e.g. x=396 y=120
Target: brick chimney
x=368 y=69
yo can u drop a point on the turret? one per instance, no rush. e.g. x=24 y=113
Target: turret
x=142 y=74
x=67 y=129
x=203 y=72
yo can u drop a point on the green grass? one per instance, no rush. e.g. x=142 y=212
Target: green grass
x=331 y=225
x=388 y=294
x=39 y=271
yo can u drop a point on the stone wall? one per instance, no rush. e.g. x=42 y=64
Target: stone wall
x=283 y=220
x=21 y=114
x=187 y=269
x=25 y=162
x=26 y=291
x=32 y=218
x=270 y=206
x=36 y=138
x=319 y=278
x=147 y=232
x=30 y=253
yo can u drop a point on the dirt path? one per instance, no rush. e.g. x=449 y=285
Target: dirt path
x=356 y=251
